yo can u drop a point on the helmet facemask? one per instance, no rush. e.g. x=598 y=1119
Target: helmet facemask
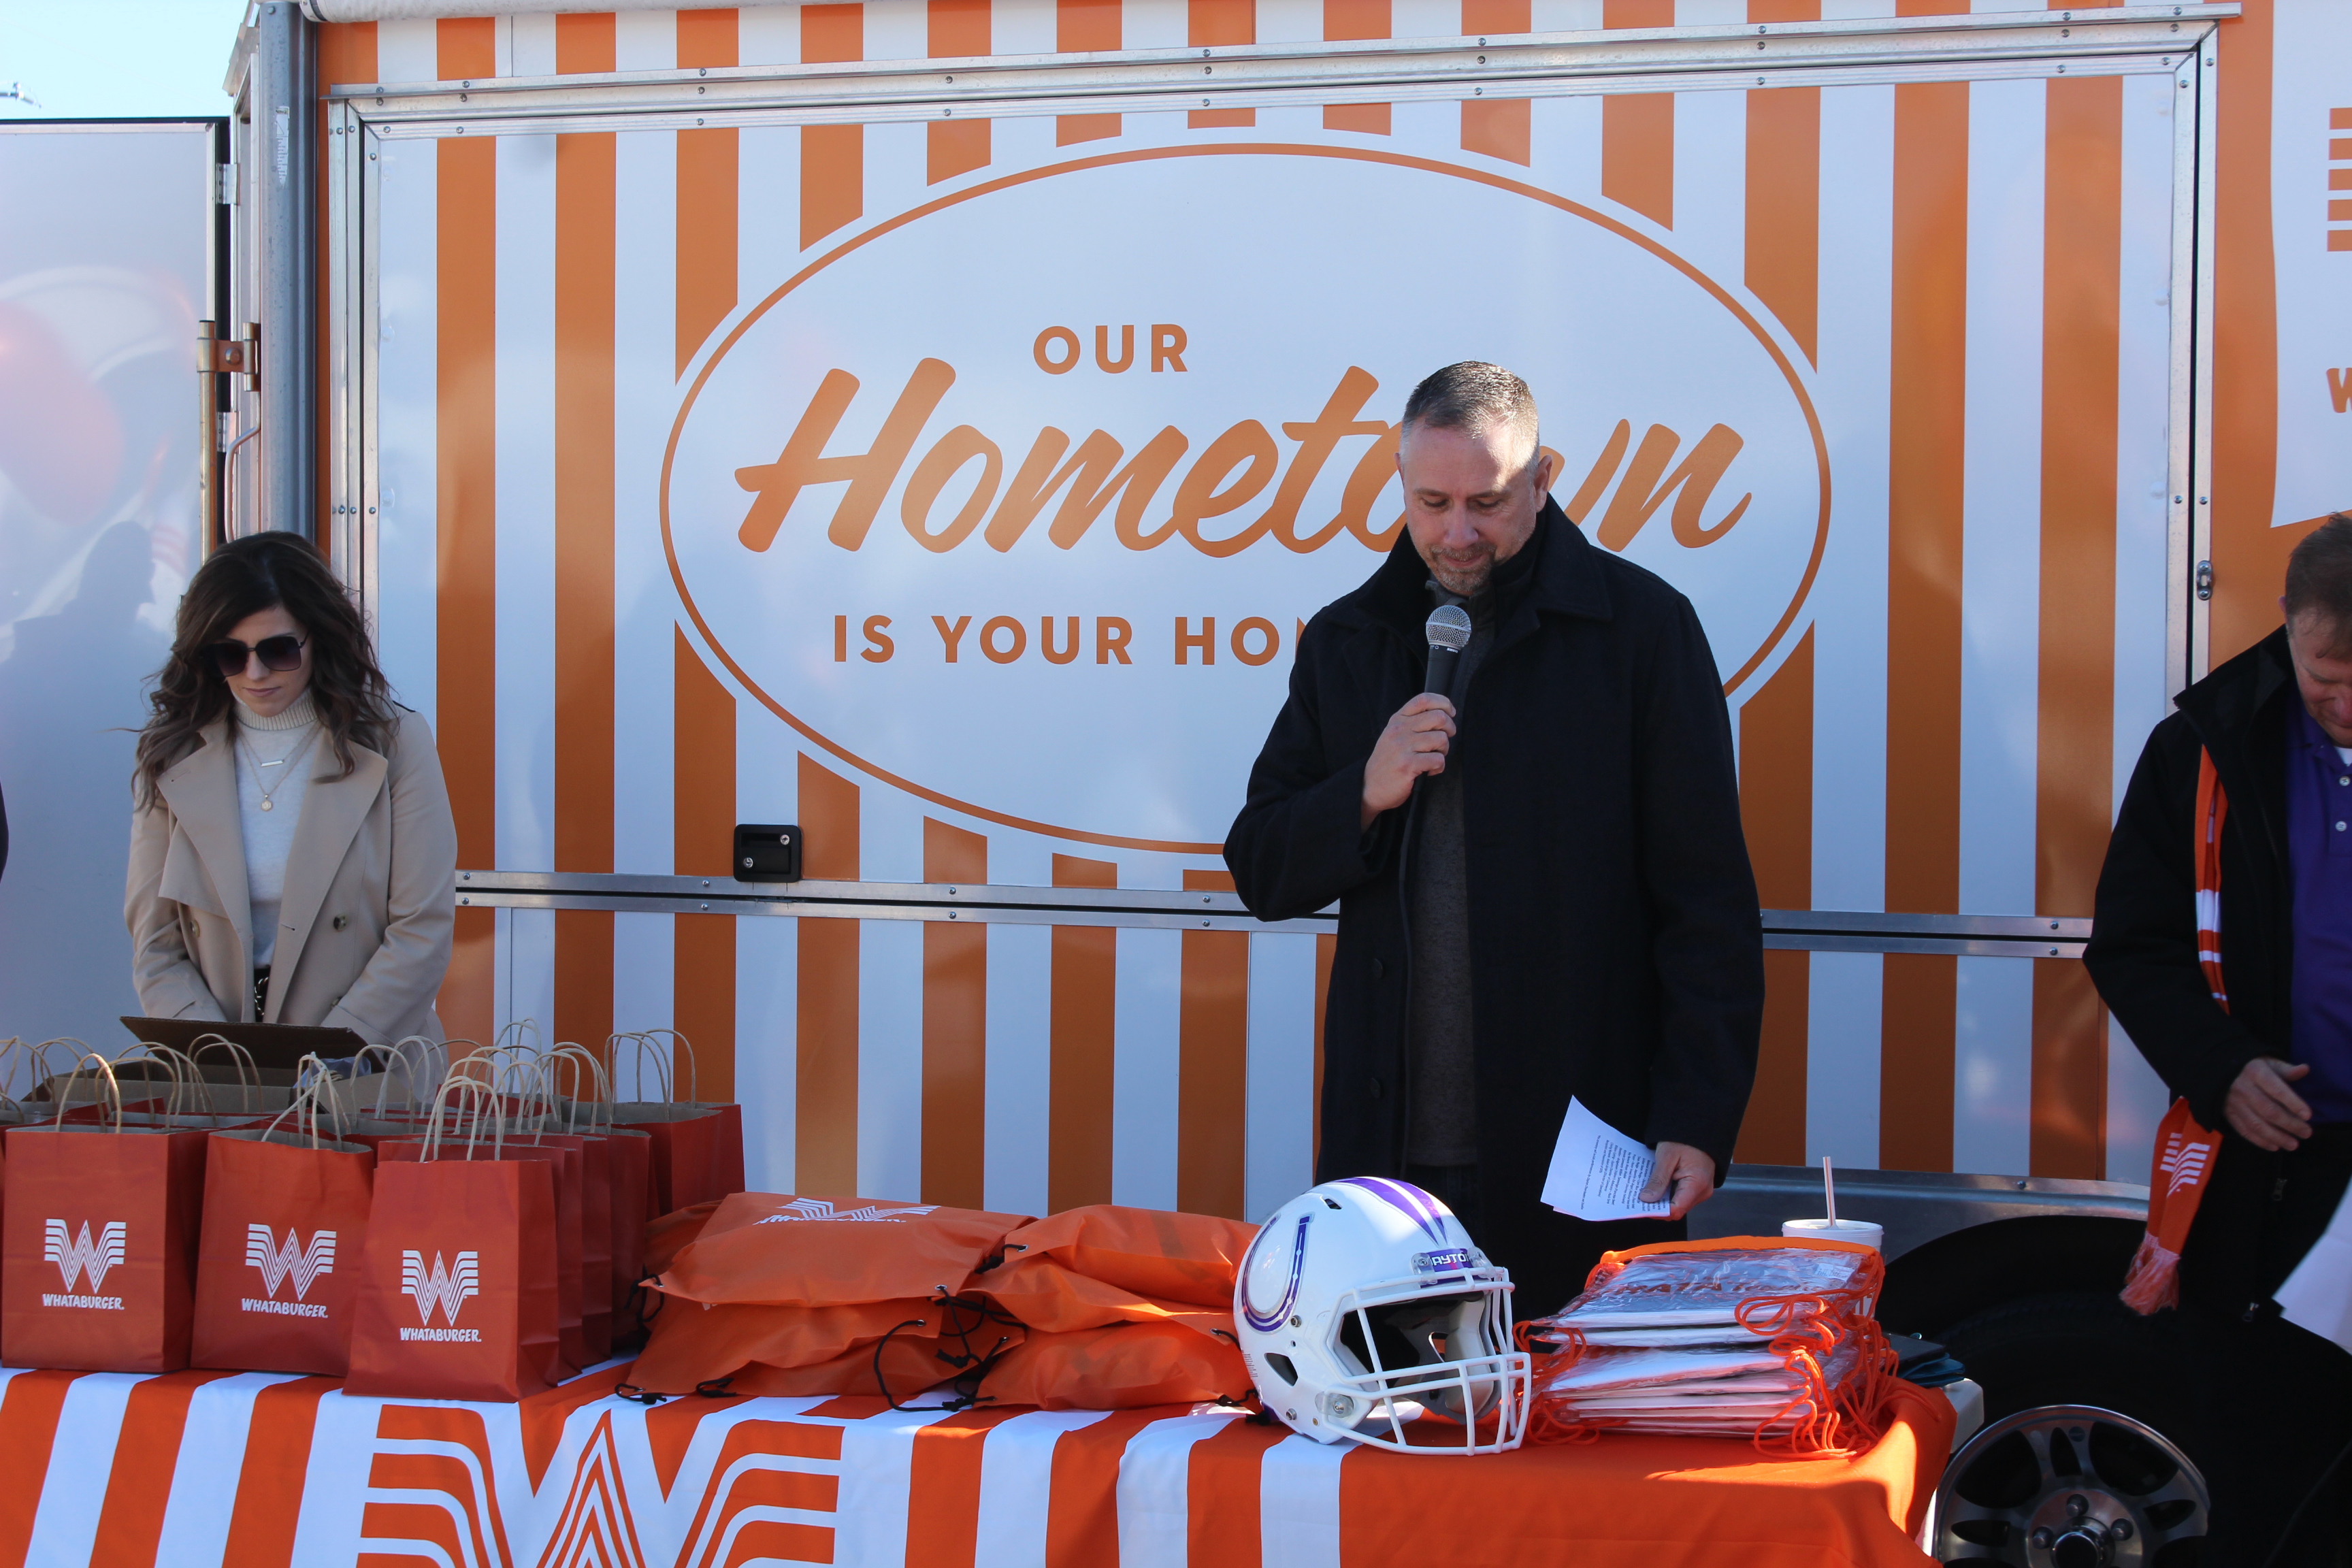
x=1410 y=1351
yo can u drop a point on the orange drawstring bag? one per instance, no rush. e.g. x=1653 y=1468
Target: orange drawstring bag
x=1165 y=1260
x=668 y=1236
x=1118 y=1368
x=819 y=1252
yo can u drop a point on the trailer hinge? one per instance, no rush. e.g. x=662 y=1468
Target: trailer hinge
x=225 y=356
x=224 y=432
x=2204 y=580
x=225 y=185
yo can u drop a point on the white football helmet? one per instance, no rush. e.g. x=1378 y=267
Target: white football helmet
x=1362 y=1304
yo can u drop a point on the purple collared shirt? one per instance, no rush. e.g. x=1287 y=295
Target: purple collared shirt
x=2319 y=862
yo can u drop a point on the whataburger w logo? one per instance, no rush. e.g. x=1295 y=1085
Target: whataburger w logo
x=2183 y=1162
x=819 y=1208
x=77 y=1258
x=303 y=1265
x=443 y=1286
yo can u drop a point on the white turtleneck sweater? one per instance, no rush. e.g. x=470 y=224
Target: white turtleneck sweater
x=270 y=834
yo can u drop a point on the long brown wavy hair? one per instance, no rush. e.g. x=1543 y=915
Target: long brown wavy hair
x=244 y=577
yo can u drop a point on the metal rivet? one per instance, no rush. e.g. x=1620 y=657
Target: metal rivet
x=468 y=875
x=705 y=70
x=706 y=906
x=702 y=90
x=952 y=914
x=1208 y=71
x=1482 y=60
x=706 y=881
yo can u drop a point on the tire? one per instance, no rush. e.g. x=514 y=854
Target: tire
x=2076 y=1347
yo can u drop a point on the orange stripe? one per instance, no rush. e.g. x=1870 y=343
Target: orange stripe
x=1082 y=1527
x=2081 y=337
x=833 y=157
x=955 y=1028
x=1637 y=152
x=959 y=30
x=707 y=192
x=1087 y=27
x=1210 y=24
x=1083 y=1017
x=1221 y=1495
x=707 y=38
x=28 y=1433
x=1775 y=808
x=1784 y=203
x=466 y=517
x=277 y=1462
x=1497 y=127
x=1637 y=13
x=1213 y=1085
x=1357 y=19
x=139 y=1482
x=585 y=43
x=2249 y=555
x=703 y=823
x=1327 y=947
x=585 y=228
x=944 y=1531
x=1927 y=429
x=825 y=1114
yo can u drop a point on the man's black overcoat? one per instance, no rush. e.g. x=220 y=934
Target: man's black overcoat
x=2261 y=1210
x=1616 y=950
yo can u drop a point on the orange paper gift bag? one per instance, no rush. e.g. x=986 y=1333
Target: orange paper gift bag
x=98 y=1245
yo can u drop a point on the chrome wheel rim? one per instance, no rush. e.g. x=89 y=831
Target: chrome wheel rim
x=2066 y=1485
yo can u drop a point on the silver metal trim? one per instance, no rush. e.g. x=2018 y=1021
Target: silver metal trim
x=346 y=310
x=1820 y=930
x=1916 y=1206
x=2180 y=374
x=2201 y=490
x=2092 y=41
x=284 y=83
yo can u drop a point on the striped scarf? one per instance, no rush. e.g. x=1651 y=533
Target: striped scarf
x=2185 y=1151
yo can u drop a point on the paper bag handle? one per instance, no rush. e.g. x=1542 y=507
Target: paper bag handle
x=106 y=1070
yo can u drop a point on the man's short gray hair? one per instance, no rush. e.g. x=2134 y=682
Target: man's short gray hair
x=1473 y=396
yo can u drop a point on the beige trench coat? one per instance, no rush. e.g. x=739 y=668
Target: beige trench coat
x=369 y=902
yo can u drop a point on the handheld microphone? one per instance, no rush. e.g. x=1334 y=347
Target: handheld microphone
x=1448 y=629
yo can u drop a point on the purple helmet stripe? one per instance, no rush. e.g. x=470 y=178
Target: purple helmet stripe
x=1416 y=1204
x=1266 y=1323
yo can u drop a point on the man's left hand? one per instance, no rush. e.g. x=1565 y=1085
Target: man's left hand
x=1684 y=1176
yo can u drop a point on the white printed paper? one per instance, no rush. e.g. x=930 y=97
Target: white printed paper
x=2318 y=1294
x=1598 y=1173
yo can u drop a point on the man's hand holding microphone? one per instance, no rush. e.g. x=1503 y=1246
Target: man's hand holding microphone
x=1418 y=735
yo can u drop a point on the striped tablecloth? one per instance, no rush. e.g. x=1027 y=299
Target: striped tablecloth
x=256 y=1470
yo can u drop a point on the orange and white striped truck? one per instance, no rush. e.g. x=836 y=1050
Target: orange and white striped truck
x=926 y=424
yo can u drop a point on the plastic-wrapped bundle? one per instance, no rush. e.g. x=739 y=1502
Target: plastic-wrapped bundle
x=1767 y=1338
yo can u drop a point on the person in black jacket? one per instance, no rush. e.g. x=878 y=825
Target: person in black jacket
x=2272 y=1070
x=1543 y=887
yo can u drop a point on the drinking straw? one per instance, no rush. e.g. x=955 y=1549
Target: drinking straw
x=1829 y=1190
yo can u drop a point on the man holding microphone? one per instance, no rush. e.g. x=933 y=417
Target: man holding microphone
x=1535 y=844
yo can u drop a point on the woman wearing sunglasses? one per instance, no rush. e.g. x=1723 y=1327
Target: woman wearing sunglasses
x=292 y=856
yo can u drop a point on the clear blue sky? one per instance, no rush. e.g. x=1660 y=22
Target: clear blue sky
x=84 y=58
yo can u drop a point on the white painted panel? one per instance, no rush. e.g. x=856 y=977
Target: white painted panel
x=407 y=420
x=1153 y=24
x=1145 y=1069
x=1842 y=1075
x=407 y=51
x=1711 y=181
x=768 y=35
x=2136 y=1101
x=1281 y=1106
x=644 y=40
x=898 y=170
x=524 y=486
x=1289 y=22
x=1425 y=19
x=1024 y=27
x=767 y=1002
x=1709 y=14
x=1565 y=142
x=2000 y=552
x=644 y=334
x=897 y=31
x=768 y=212
x=889 y=1056
x=530 y=969
x=1992 y=1099
x=1020 y=1065
x=1567 y=16
x=1849 y=599
x=532 y=46
x=644 y=990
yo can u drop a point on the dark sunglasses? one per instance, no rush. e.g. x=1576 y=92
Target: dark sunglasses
x=277 y=653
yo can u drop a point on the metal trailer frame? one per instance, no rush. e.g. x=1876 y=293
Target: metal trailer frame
x=2127 y=39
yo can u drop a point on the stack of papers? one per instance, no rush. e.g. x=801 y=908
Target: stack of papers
x=1666 y=1351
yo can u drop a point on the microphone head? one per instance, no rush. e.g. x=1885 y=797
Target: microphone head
x=1449 y=627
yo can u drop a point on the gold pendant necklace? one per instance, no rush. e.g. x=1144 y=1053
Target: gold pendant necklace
x=253 y=760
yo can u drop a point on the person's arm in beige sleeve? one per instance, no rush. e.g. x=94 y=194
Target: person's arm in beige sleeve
x=169 y=984
x=421 y=896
